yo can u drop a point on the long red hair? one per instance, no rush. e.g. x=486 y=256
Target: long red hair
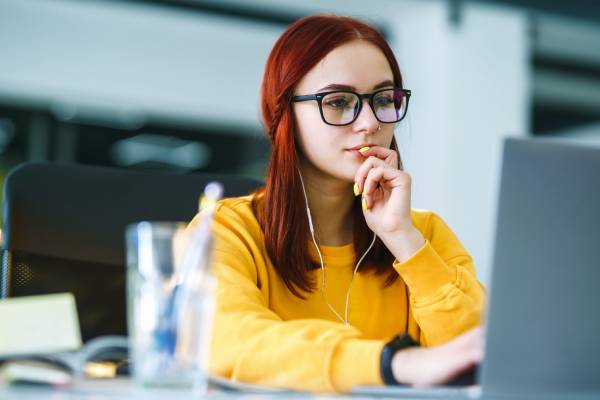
x=280 y=205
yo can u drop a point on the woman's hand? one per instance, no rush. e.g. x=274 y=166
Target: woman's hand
x=385 y=190
x=386 y=201
x=430 y=366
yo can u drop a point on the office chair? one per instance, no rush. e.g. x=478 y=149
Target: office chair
x=64 y=230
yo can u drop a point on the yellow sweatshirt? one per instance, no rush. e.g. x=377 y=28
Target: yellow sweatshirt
x=265 y=335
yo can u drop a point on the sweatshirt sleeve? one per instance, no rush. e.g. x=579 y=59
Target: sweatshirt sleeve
x=253 y=344
x=445 y=296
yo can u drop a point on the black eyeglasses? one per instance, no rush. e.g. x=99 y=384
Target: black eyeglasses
x=341 y=108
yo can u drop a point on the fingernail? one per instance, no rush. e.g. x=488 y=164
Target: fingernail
x=364 y=204
x=356 y=189
x=363 y=149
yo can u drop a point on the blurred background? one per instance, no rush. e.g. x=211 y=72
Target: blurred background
x=174 y=85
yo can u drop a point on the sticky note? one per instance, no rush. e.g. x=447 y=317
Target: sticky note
x=39 y=324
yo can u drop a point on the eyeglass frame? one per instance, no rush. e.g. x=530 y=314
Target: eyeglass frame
x=369 y=96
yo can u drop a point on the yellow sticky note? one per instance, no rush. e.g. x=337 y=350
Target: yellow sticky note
x=39 y=324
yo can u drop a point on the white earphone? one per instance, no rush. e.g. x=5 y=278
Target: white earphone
x=323 y=289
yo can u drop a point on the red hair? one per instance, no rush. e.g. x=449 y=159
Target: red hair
x=280 y=205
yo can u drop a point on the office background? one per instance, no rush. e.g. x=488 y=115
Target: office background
x=170 y=84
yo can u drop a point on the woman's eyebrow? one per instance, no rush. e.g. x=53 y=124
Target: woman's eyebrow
x=383 y=84
x=338 y=86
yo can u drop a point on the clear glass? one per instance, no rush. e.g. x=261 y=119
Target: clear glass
x=169 y=333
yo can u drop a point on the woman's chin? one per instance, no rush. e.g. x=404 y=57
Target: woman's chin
x=349 y=172
x=344 y=168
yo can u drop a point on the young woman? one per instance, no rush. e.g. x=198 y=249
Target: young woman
x=327 y=278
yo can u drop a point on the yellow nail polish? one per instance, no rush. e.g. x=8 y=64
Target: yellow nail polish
x=364 y=204
x=356 y=189
x=363 y=149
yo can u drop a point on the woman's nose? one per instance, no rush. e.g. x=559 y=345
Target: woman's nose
x=366 y=120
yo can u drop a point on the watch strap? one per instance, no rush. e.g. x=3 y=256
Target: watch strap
x=399 y=342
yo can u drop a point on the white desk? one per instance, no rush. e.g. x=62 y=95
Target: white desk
x=123 y=389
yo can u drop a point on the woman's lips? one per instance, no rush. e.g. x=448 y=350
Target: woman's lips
x=360 y=146
x=355 y=150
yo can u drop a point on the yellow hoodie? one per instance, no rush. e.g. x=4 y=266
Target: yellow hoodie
x=265 y=335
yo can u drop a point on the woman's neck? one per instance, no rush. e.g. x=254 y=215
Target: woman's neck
x=330 y=200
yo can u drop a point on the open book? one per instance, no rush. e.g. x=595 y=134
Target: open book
x=41 y=341
x=99 y=357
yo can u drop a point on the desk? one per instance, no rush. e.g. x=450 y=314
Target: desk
x=124 y=389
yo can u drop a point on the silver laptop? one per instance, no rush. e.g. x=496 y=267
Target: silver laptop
x=543 y=320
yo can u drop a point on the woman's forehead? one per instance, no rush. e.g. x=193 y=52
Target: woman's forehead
x=359 y=64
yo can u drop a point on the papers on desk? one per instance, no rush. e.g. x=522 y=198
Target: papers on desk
x=41 y=342
x=98 y=358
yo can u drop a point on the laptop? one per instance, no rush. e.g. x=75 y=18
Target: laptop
x=543 y=319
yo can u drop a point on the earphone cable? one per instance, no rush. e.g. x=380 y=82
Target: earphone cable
x=344 y=319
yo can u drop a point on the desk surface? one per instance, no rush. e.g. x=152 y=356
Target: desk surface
x=124 y=389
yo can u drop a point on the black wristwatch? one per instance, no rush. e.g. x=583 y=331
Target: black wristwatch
x=387 y=353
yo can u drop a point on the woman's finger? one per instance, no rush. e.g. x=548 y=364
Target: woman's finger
x=363 y=170
x=375 y=177
x=389 y=156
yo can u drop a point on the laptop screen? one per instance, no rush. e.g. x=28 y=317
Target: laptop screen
x=543 y=328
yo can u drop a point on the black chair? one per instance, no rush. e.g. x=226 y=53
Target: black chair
x=64 y=230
